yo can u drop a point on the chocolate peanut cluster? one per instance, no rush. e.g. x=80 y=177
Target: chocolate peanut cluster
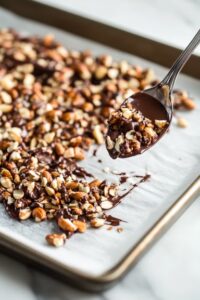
x=54 y=104
x=182 y=101
x=130 y=132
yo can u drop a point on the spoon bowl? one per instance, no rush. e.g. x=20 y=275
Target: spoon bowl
x=131 y=127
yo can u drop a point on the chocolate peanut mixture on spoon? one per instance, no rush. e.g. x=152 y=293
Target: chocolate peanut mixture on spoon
x=135 y=126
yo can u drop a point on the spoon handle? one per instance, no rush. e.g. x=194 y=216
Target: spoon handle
x=180 y=62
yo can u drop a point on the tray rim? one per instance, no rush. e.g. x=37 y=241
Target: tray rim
x=106 y=280
x=110 y=277
x=108 y=35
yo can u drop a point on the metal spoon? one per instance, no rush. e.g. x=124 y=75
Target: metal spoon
x=162 y=91
x=155 y=104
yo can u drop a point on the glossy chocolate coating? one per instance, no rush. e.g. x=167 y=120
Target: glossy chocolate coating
x=150 y=107
x=151 y=111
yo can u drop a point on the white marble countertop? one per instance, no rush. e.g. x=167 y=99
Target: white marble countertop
x=170 y=270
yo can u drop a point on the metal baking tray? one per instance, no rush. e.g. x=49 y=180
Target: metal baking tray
x=175 y=191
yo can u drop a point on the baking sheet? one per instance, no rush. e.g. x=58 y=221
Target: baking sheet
x=173 y=164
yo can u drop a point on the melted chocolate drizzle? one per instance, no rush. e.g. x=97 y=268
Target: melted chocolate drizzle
x=81 y=172
x=123 y=179
x=118 y=199
x=113 y=221
x=95 y=152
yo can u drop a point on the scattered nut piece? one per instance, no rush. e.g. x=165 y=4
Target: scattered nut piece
x=181 y=122
x=15 y=155
x=49 y=137
x=109 y=228
x=110 y=143
x=66 y=225
x=5 y=108
x=18 y=194
x=39 y=214
x=97 y=223
x=7 y=82
x=6 y=98
x=59 y=149
x=98 y=135
x=24 y=214
x=106 y=205
x=49 y=190
x=100 y=72
x=56 y=239
x=81 y=226
x=119 y=229
x=6 y=182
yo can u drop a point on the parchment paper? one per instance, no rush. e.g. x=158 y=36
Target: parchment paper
x=173 y=164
